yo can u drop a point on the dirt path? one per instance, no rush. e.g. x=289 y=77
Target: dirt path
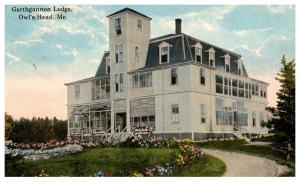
x=243 y=165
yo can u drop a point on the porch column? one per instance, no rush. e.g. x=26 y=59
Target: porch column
x=89 y=122
x=128 y=115
x=112 y=116
x=68 y=114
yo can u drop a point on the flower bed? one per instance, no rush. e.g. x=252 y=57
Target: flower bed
x=42 y=150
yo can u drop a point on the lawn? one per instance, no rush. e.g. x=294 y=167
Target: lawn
x=119 y=161
x=239 y=146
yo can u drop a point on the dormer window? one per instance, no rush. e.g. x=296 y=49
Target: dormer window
x=164 y=55
x=211 y=57
x=227 y=62
x=198 y=52
x=164 y=52
x=118 y=26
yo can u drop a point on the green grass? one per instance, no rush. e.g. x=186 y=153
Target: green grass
x=210 y=166
x=261 y=151
x=114 y=160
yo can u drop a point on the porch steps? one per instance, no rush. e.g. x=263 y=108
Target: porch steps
x=239 y=135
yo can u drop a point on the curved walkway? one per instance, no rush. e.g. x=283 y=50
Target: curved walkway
x=244 y=165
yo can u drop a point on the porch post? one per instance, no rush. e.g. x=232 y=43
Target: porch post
x=89 y=122
x=112 y=116
x=128 y=115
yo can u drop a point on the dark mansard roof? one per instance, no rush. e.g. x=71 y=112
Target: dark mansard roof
x=181 y=51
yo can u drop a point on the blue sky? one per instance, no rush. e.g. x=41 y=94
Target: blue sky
x=40 y=56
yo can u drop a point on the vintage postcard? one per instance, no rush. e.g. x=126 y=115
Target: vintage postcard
x=149 y=90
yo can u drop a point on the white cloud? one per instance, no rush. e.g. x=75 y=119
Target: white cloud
x=242 y=33
x=72 y=52
x=283 y=38
x=13 y=58
x=28 y=42
x=59 y=46
x=95 y=61
x=279 y=9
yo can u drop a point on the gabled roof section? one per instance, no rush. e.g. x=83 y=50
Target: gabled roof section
x=101 y=71
x=129 y=10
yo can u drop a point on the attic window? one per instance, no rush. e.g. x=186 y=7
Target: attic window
x=198 y=52
x=211 y=57
x=240 y=67
x=227 y=62
x=118 y=26
x=164 y=52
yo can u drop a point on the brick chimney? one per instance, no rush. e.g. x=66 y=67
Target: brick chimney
x=178 y=26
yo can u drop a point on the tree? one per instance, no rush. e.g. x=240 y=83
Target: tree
x=283 y=122
x=61 y=130
x=9 y=124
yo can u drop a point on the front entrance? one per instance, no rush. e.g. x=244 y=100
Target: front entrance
x=120 y=123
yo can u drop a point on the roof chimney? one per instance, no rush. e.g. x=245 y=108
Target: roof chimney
x=178 y=26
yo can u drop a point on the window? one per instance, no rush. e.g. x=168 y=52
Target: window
x=241 y=89
x=229 y=86
x=121 y=82
x=219 y=84
x=224 y=114
x=139 y=24
x=142 y=80
x=174 y=76
x=240 y=73
x=253 y=118
x=246 y=90
x=136 y=53
x=100 y=89
x=198 y=54
x=118 y=26
x=234 y=87
x=255 y=89
x=77 y=91
x=263 y=90
x=117 y=82
x=242 y=119
x=107 y=65
x=119 y=53
x=164 y=54
x=175 y=113
x=202 y=76
x=211 y=57
x=202 y=113
x=261 y=118
x=225 y=85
